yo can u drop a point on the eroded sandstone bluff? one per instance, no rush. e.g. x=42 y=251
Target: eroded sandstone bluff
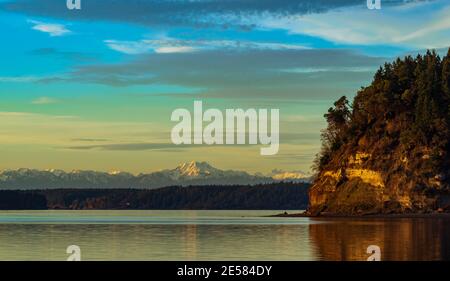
x=388 y=152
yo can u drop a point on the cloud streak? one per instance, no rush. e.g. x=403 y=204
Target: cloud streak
x=52 y=29
x=144 y=146
x=44 y=101
x=19 y=79
x=171 y=45
x=422 y=25
x=237 y=74
x=238 y=13
x=55 y=53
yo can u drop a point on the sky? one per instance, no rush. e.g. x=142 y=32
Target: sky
x=94 y=89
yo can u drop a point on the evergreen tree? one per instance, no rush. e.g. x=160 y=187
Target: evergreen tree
x=412 y=91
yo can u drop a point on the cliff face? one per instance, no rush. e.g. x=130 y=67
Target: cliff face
x=389 y=151
x=363 y=188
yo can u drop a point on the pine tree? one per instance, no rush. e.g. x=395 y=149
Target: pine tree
x=414 y=90
x=446 y=76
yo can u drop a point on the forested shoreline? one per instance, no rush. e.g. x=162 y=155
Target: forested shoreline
x=277 y=196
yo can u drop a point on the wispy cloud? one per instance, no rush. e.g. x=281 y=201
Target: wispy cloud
x=171 y=45
x=146 y=146
x=128 y=47
x=441 y=23
x=44 y=100
x=30 y=79
x=236 y=13
x=129 y=146
x=146 y=46
x=261 y=73
x=419 y=25
x=36 y=115
x=88 y=140
x=306 y=70
x=53 y=29
x=63 y=130
x=68 y=55
x=18 y=79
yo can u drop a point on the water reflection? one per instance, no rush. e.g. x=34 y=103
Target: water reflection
x=216 y=235
x=399 y=239
x=155 y=242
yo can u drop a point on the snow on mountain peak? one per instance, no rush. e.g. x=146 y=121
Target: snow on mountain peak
x=188 y=174
x=195 y=169
x=290 y=175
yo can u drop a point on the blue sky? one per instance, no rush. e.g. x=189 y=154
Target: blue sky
x=112 y=73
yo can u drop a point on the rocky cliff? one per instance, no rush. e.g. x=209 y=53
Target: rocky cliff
x=388 y=152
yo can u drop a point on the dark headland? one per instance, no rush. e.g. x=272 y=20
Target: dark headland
x=387 y=153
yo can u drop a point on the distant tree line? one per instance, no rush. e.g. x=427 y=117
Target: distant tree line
x=278 y=196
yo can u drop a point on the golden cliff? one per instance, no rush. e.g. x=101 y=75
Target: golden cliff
x=388 y=152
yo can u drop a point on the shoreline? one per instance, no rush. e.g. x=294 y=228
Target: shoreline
x=375 y=216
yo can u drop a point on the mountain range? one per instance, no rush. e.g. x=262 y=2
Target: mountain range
x=187 y=174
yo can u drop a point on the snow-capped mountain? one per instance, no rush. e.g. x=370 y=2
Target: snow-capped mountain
x=195 y=169
x=186 y=174
x=293 y=176
x=199 y=173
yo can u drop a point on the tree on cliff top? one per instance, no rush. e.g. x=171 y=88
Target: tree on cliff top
x=412 y=95
x=337 y=118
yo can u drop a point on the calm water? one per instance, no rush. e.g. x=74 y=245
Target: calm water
x=216 y=235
